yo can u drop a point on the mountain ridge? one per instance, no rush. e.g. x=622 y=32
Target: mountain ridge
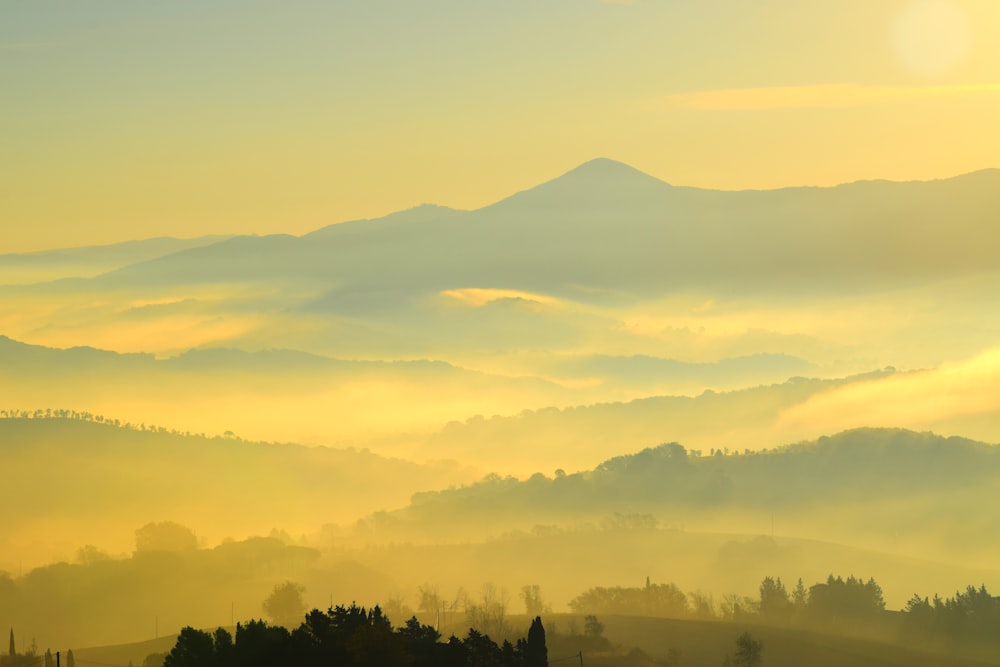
x=607 y=226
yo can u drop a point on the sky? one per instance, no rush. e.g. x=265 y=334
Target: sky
x=125 y=119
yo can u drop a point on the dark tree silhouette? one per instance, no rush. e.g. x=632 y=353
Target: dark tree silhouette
x=194 y=648
x=749 y=651
x=846 y=599
x=534 y=651
x=352 y=637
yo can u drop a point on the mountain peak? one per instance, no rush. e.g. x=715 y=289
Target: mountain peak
x=600 y=179
x=603 y=167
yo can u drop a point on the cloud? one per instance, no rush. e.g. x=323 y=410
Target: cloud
x=481 y=296
x=822 y=96
x=919 y=400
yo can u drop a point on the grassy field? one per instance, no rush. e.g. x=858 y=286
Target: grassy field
x=642 y=641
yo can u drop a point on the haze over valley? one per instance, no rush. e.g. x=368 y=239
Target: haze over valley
x=634 y=332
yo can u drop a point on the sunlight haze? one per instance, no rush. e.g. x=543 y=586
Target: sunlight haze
x=500 y=333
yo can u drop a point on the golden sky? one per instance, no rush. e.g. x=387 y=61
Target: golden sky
x=123 y=120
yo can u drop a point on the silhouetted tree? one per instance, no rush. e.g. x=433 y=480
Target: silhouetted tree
x=774 y=602
x=850 y=599
x=352 y=637
x=165 y=536
x=651 y=600
x=800 y=596
x=194 y=648
x=258 y=644
x=481 y=650
x=223 y=647
x=284 y=605
x=592 y=627
x=71 y=659
x=535 y=652
x=749 y=651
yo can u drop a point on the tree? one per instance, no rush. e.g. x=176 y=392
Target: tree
x=749 y=651
x=165 y=536
x=13 y=652
x=223 y=646
x=592 y=627
x=534 y=605
x=849 y=600
x=535 y=652
x=428 y=598
x=284 y=605
x=774 y=602
x=71 y=660
x=800 y=596
x=490 y=614
x=194 y=648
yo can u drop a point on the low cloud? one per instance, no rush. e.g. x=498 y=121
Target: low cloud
x=924 y=400
x=823 y=96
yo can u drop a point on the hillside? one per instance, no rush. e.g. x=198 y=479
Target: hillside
x=97 y=483
x=705 y=644
x=891 y=489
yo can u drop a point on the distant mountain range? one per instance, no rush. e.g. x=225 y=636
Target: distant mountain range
x=90 y=261
x=605 y=227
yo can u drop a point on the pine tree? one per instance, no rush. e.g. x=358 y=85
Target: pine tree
x=536 y=654
x=12 y=651
x=70 y=660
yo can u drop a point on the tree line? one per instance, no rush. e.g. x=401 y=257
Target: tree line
x=839 y=603
x=970 y=616
x=352 y=636
x=85 y=416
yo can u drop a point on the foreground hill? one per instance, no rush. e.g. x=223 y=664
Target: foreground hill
x=706 y=644
x=647 y=642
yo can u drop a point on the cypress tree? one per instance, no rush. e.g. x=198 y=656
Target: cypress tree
x=536 y=654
